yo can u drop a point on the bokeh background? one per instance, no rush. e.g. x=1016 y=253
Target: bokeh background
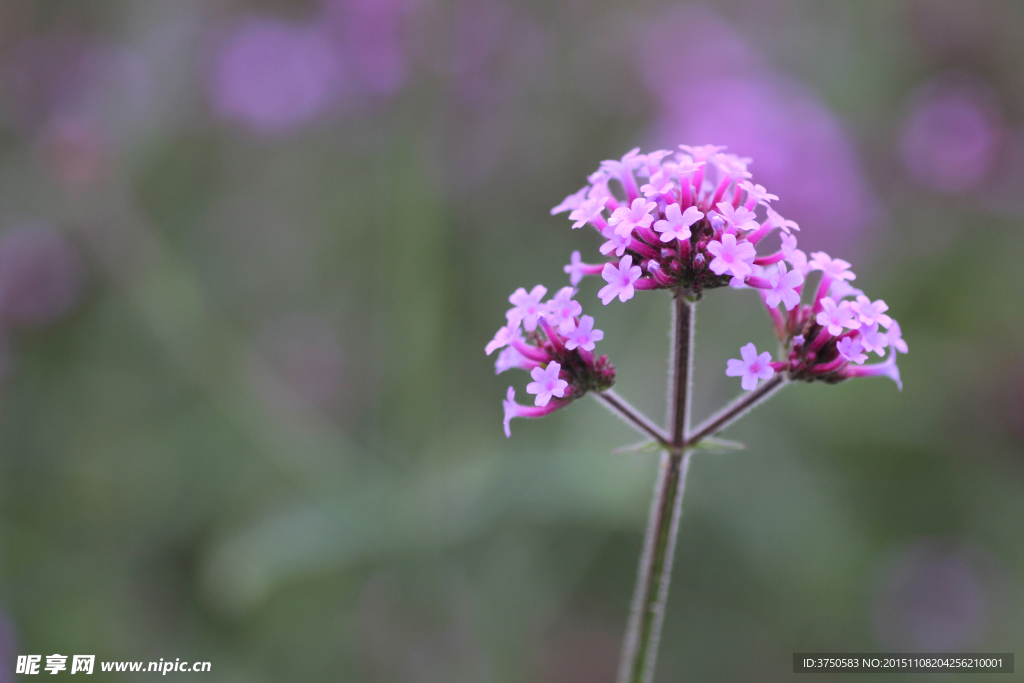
x=251 y=252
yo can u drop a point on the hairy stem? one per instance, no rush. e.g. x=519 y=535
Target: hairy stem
x=735 y=410
x=644 y=628
x=633 y=416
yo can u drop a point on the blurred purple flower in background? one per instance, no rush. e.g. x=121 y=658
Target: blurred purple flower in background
x=273 y=75
x=45 y=75
x=79 y=97
x=934 y=596
x=61 y=76
x=951 y=133
x=802 y=151
x=480 y=34
x=371 y=40
x=40 y=275
x=72 y=151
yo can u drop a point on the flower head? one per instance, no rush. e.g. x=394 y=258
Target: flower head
x=688 y=229
x=557 y=352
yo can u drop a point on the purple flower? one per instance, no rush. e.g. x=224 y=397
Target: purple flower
x=757 y=194
x=783 y=288
x=873 y=340
x=589 y=211
x=851 y=349
x=886 y=368
x=841 y=289
x=740 y=218
x=676 y=225
x=731 y=166
x=652 y=162
x=546 y=384
x=503 y=338
x=577 y=270
x=837 y=269
x=513 y=409
x=562 y=310
x=571 y=202
x=783 y=224
x=616 y=242
x=510 y=358
x=620 y=280
x=625 y=220
x=896 y=338
x=584 y=336
x=661 y=183
x=835 y=317
x=701 y=153
x=752 y=368
x=528 y=307
x=730 y=257
x=871 y=313
x=40 y=275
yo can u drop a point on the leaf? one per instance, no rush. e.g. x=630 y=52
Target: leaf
x=640 y=448
x=712 y=445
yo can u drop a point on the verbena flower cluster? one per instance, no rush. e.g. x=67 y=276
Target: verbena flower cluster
x=555 y=342
x=690 y=221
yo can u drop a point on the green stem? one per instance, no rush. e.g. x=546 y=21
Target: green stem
x=643 y=631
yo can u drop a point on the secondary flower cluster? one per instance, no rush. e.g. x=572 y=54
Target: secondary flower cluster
x=828 y=339
x=554 y=341
x=694 y=223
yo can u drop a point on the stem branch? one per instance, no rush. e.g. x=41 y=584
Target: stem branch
x=735 y=410
x=633 y=416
